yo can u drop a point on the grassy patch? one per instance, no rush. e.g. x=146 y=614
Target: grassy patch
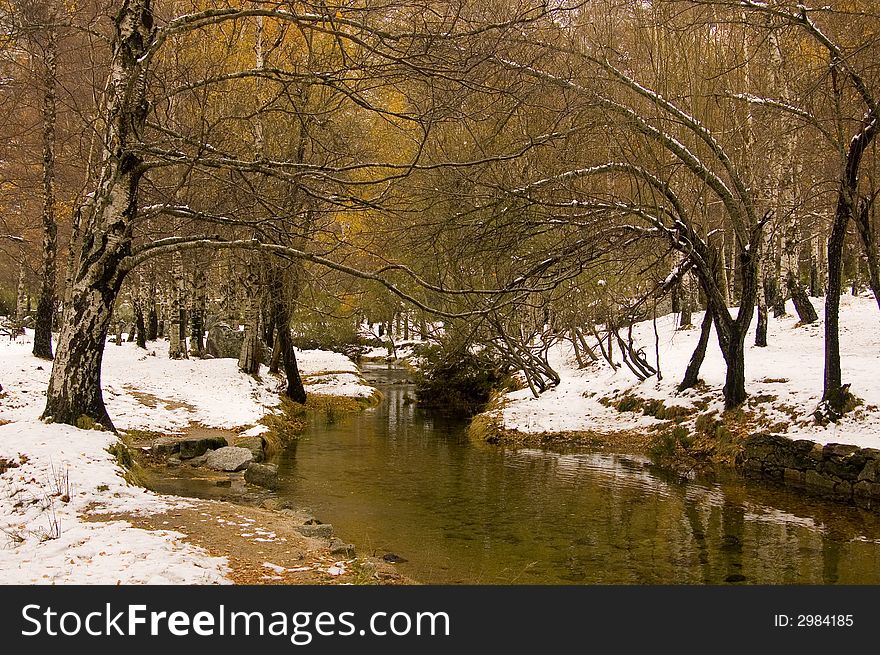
x=142 y=436
x=629 y=403
x=284 y=425
x=292 y=418
x=649 y=407
x=485 y=428
x=131 y=470
x=673 y=443
x=86 y=423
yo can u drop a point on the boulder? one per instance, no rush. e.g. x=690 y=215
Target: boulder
x=229 y=458
x=165 y=447
x=263 y=475
x=839 y=450
x=190 y=448
x=339 y=547
x=253 y=444
x=317 y=530
x=224 y=341
x=186 y=447
x=819 y=482
x=201 y=459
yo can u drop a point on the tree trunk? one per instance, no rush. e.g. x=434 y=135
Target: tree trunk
x=773 y=294
x=295 y=390
x=832 y=382
x=722 y=269
x=139 y=324
x=802 y=305
x=75 y=383
x=275 y=361
x=280 y=302
x=692 y=373
x=198 y=311
x=177 y=331
x=577 y=350
x=761 y=328
x=731 y=332
x=269 y=325
x=735 y=378
x=685 y=317
x=46 y=303
x=869 y=247
x=21 y=292
x=834 y=393
x=815 y=279
x=249 y=358
x=152 y=321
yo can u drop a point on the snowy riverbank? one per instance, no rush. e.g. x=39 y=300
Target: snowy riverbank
x=784 y=381
x=56 y=476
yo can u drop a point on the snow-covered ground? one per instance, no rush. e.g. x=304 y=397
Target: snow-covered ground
x=57 y=474
x=784 y=380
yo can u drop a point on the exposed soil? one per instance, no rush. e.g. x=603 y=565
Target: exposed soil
x=261 y=546
x=153 y=401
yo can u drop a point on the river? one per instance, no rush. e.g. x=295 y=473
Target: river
x=403 y=480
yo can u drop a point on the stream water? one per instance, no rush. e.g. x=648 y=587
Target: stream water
x=400 y=479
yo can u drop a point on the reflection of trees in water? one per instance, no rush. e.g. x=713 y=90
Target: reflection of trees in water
x=409 y=481
x=732 y=534
x=698 y=533
x=832 y=549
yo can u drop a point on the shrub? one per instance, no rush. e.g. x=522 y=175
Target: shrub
x=459 y=380
x=671 y=444
x=629 y=403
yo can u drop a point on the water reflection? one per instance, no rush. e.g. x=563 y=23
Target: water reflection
x=397 y=479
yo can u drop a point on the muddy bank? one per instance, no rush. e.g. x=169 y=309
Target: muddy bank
x=262 y=546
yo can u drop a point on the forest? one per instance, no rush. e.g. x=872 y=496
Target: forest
x=523 y=172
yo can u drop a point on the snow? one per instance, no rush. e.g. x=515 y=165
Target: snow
x=63 y=478
x=45 y=537
x=784 y=380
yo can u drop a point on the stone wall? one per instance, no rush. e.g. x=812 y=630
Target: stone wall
x=843 y=472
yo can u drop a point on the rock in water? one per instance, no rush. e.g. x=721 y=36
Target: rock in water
x=391 y=558
x=229 y=458
x=264 y=475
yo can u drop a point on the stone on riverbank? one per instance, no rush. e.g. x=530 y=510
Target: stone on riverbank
x=200 y=460
x=317 y=530
x=186 y=447
x=339 y=547
x=254 y=444
x=842 y=472
x=229 y=458
x=263 y=475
